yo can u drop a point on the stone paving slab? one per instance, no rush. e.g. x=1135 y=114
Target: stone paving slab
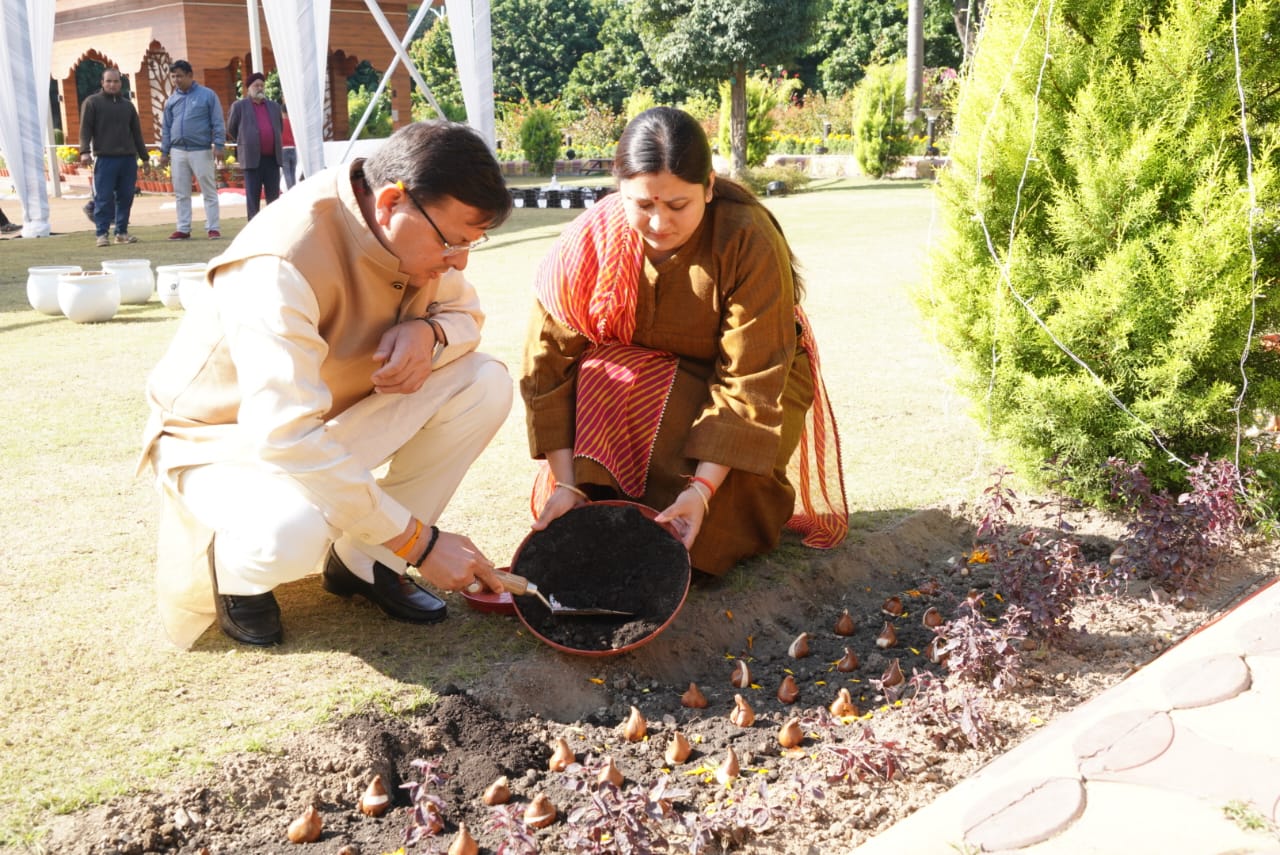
x=1123 y=819
x=1210 y=680
x=1164 y=788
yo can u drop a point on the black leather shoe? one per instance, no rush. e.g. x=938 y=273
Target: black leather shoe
x=249 y=620
x=398 y=596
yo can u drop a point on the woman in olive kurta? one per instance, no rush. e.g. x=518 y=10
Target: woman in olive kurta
x=663 y=363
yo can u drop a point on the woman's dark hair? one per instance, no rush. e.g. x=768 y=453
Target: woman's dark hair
x=438 y=159
x=664 y=139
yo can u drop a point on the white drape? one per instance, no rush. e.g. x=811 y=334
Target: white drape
x=26 y=49
x=300 y=41
x=473 y=47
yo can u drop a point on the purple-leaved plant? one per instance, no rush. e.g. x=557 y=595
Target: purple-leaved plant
x=426 y=820
x=1177 y=541
x=977 y=651
x=628 y=819
x=508 y=822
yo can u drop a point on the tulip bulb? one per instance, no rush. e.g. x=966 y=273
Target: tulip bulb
x=791 y=734
x=678 y=749
x=844 y=624
x=931 y=618
x=430 y=820
x=693 y=698
x=892 y=606
x=935 y=653
x=306 y=828
x=742 y=715
x=843 y=706
x=636 y=727
x=888 y=636
x=463 y=843
x=892 y=675
x=788 y=691
x=848 y=662
x=728 y=768
x=799 y=648
x=741 y=678
x=375 y=800
x=561 y=757
x=498 y=793
x=540 y=813
x=610 y=773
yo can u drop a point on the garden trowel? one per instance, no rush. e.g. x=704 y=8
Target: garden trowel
x=518 y=586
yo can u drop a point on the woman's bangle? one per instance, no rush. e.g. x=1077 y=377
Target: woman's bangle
x=431 y=544
x=573 y=489
x=698 y=479
x=706 y=501
x=407 y=550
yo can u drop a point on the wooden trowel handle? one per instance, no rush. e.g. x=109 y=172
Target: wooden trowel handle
x=516 y=585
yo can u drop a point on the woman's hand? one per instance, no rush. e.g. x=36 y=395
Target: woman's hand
x=405 y=352
x=455 y=563
x=686 y=514
x=563 y=500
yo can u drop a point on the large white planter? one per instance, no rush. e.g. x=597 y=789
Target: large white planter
x=192 y=288
x=89 y=296
x=42 y=287
x=136 y=279
x=167 y=282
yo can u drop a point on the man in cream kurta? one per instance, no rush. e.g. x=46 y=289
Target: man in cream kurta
x=338 y=334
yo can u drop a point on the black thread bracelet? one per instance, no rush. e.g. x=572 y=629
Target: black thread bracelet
x=431 y=544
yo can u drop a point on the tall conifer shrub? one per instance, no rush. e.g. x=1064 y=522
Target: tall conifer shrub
x=1130 y=229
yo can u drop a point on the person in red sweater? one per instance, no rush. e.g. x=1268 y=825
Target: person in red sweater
x=257 y=127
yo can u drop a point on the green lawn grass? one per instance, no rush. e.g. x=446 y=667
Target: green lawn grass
x=99 y=704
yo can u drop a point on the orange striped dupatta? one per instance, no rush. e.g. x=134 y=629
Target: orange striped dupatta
x=815 y=469
x=589 y=284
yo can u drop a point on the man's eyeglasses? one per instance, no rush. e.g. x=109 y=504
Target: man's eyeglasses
x=449 y=248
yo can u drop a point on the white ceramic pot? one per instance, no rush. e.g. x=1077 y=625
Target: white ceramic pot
x=42 y=287
x=167 y=282
x=136 y=279
x=89 y=296
x=192 y=289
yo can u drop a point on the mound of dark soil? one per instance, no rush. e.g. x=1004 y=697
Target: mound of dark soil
x=505 y=724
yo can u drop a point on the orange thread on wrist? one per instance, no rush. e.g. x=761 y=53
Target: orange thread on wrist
x=698 y=479
x=407 y=550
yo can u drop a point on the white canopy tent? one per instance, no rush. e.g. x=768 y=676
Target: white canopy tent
x=300 y=40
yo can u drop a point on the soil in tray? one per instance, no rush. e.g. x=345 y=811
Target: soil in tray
x=609 y=556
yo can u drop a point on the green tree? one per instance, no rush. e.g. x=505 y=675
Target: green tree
x=360 y=88
x=763 y=95
x=540 y=139
x=855 y=34
x=620 y=67
x=699 y=42
x=881 y=136
x=432 y=54
x=1104 y=177
x=537 y=43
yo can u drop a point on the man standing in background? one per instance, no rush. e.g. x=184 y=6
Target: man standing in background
x=257 y=128
x=109 y=126
x=194 y=136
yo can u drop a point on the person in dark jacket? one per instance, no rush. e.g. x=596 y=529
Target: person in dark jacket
x=6 y=227
x=257 y=127
x=111 y=131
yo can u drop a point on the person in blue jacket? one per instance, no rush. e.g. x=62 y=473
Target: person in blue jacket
x=191 y=143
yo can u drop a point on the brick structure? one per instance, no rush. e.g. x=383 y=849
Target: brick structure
x=141 y=38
